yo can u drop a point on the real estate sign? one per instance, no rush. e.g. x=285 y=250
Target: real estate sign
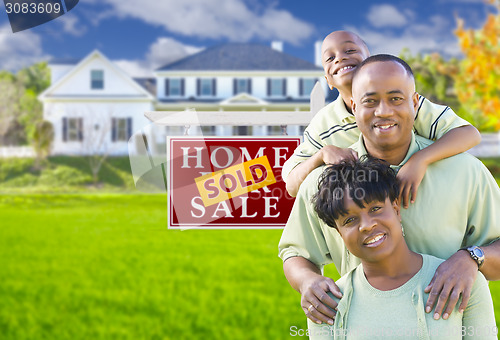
x=228 y=182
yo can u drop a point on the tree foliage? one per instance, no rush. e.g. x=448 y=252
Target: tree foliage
x=42 y=139
x=434 y=77
x=477 y=83
x=20 y=110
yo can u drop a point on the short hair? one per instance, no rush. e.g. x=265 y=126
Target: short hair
x=372 y=177
x=383 y=58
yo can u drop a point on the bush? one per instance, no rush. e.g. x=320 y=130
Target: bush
x=24 y=180
x=63 y=176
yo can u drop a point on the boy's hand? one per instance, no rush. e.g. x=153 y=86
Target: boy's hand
x=410 y=176
x=334 y=155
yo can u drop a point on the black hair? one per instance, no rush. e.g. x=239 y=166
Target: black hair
x=383 y=58
x=365 y=180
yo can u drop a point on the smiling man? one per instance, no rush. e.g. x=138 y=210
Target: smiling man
x=457 y=215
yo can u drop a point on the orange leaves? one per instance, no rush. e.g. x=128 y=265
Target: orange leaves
x=477 y=83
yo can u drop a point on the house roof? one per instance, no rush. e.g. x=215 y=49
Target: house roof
x=149 y=84
x=240 y=57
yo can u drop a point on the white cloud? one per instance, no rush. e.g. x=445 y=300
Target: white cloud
x=230 y=19
x=18 y=50
x=163 y=51
x=432 y=35
x=386 y=15
x=166 y=50
x=71 y=25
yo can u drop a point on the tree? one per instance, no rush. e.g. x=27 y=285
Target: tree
x=477 y=83
x=42 y=139
x=434 y=77
x=20 y=109
x=10 y=97
x=96 y=138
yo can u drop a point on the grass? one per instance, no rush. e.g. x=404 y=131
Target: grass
x=105 y=267
x=79 y=262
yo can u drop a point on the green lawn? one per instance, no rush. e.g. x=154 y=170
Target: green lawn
x=106 y=267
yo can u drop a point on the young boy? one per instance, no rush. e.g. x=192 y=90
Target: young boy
x=333 y=129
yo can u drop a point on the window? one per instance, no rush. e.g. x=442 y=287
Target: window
x=121 y=129
x=274 y=130
x=242 y=85
x=72 y=129
x=208 y=130
x=205 y=87
x=174 y=87
x=276 y=87
x=306 y=85
x=242 y=130
x=97 y=79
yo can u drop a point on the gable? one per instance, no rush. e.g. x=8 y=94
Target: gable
x=243 y=99
x=77 y=82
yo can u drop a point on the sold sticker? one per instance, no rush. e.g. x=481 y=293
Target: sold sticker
x=235 y=181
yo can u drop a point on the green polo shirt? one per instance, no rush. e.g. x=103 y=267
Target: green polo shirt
x=458 y=205
x=399 y=313
x=334 y=125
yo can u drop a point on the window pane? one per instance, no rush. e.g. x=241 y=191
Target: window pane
x=175 y=87
x=121 y=129
x=242 y=130
x=206 y=87
x=242 y=85
x=208 y=130
x=97 y=79
x=72 y=129
x=308 y=85
x=276 y=87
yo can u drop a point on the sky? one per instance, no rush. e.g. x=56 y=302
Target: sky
x=143 y=35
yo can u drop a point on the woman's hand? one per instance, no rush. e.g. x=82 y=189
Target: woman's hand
x=410 y=176
x=316 y=303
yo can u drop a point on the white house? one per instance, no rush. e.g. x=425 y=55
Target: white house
x=237 y=77
x=96 y=107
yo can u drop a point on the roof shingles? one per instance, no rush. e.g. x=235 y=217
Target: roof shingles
x=240 y=57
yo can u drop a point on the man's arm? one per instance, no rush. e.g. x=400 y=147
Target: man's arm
x=328 y=154
x=455 y=277
x=491 y=265
x=455 y=141
x=306 y=278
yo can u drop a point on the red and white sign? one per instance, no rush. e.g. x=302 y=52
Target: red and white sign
x=228 y=182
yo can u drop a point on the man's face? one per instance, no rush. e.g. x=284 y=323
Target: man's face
x=341 y=52
x=384 y=103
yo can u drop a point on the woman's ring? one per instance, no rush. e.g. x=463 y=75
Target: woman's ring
x=309 y=308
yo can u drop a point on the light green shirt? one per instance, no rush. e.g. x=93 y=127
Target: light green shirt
x=334 y=125
x=458 y=205
x=365 y=312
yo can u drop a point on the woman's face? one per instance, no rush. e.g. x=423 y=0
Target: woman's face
x=371 y=233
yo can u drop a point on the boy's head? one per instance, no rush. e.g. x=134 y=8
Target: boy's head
x=341 y=52
x=365 y=180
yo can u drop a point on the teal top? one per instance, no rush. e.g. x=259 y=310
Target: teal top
x=366 y=313
x=458 y=205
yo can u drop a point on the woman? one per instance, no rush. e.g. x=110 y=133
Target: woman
x=383 y=298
